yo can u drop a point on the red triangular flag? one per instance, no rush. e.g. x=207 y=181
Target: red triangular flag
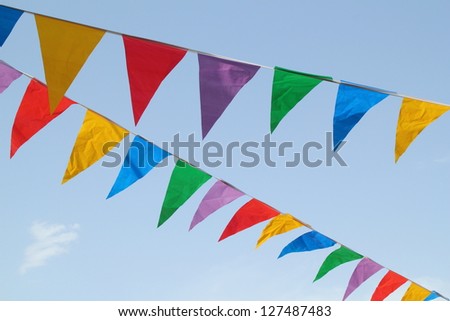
x=253 y=212
x=34 y=114
x=148 y=63
x=388 y=284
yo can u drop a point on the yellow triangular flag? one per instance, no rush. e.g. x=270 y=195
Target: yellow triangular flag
x=65 y=47
x=414 y=116
x=96 y=138
x=278 y=225
x=415 y=293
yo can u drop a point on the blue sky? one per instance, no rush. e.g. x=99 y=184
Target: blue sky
x=66 y=242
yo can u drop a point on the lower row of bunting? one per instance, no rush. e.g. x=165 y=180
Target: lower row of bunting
x=33 y=115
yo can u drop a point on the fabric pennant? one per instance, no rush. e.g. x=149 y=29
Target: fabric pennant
x=8 y=19
x=432 y=296
x=34 y=114
x=308 y=242
x=288 y=88
x=352 y=103
x=184 y=182
x=65 y=47
x=414 y=116
x=148 y=64
x=251 y=213
x=278 y=225
x=416 y=293
x=142 y=157
x=334 y=259
x=363 y=271
x=97 y=136
x=388 y=284
x=220 y=81
x=218 y=196
x=7 y=75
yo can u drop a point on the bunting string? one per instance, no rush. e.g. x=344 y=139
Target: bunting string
x=251 y=213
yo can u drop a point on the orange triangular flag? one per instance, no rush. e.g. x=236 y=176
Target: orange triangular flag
x=415 y=293
x=96 y=138
x=65 y=47
x=278 y=225
x=414 y=116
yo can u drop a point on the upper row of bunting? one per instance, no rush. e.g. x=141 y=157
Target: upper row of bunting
x=66 y=46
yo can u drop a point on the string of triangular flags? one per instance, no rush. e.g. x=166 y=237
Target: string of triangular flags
x=142 y=156
x=149 y=62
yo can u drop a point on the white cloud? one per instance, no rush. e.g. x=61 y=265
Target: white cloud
x=48 y=240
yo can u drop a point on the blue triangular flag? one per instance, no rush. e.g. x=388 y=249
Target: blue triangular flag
x=308 y=242
x=351 y=105
x=433 y=295
x=141 y=157
x=8 y=19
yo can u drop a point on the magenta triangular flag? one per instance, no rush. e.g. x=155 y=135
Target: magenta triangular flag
x=220 y=81
x=364 y=270
x=218 y=196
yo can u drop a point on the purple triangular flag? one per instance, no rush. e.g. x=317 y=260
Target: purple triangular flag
x=364 y=270
x=218 y=196
x=7 y=75
x=220 y=81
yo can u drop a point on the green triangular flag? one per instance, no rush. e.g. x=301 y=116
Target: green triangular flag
x=334 y=259
x=184 y=182
x=288 y=88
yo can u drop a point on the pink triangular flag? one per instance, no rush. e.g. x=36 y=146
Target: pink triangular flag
x=7 y=75
x=364 y=270
x=218 y=196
